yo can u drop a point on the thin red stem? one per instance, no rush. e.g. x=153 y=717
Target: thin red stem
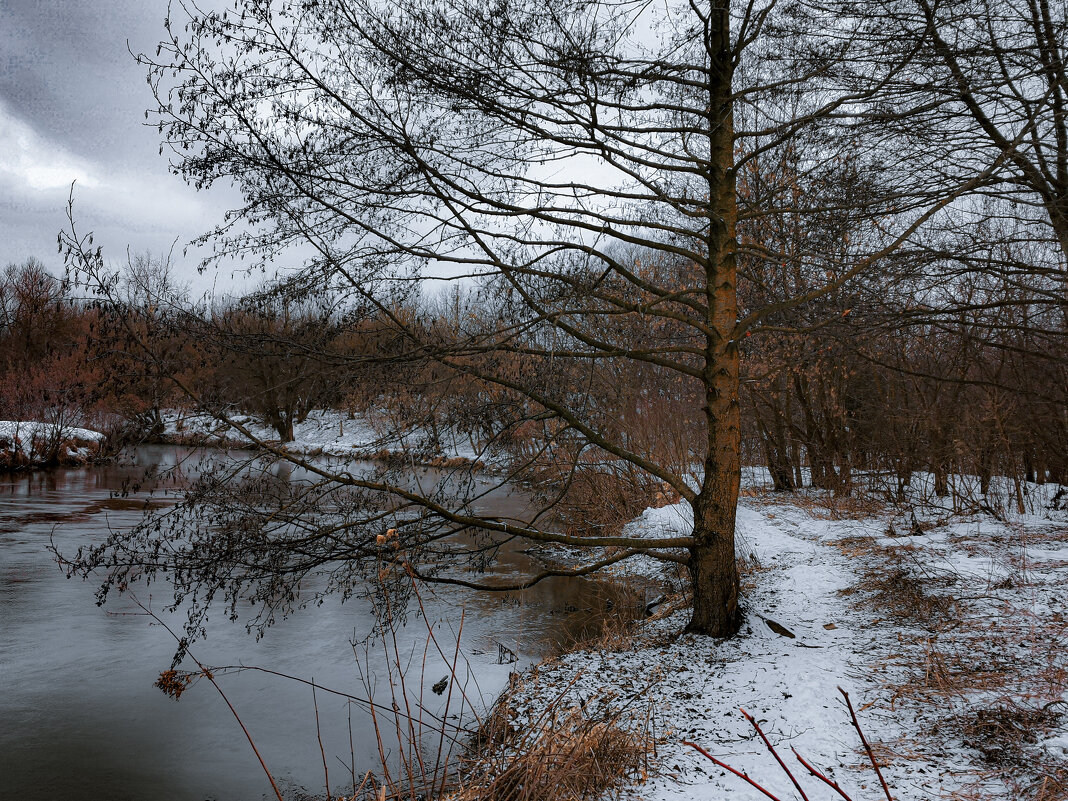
x=208 y=675
x=867 y=747
x=727 y=767
x=774 y=753
x=829 y=782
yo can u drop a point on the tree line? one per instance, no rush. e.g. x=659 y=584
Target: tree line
x=886 y=389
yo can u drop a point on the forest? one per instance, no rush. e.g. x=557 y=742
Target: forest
x=857 y=398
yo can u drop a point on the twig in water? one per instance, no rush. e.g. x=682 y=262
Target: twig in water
x=210 y=677
x=319 y=736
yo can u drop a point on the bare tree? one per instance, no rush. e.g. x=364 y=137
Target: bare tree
x=274 y=355
x=577 y=163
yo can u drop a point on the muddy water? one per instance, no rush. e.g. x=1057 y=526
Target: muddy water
x=81 y=719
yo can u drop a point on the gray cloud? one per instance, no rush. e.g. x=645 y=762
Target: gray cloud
x=72 y=103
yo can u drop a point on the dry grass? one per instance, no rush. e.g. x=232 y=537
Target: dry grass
x=1001 y=733
x=1053 y=786
x=829 y=506
x=821 y=504
x=944 y=675
x=1004 y=735
x=904 y=595
x=899 y=588
x=600 y=499
x=609 y=623
x=616 y=633
x=612 y=632
x=981 y=658
x=565 y=756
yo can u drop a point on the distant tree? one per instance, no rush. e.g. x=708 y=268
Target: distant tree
x=36 y=315
x=47 y=370
x=275 y=355
x=137 y=343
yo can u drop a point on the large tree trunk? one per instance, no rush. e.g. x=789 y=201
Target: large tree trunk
x=282 y=421
x=713 y=571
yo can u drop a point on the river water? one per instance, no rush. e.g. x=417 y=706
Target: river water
x=80 y=717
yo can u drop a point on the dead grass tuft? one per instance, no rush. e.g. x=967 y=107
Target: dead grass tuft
x=946 y=675
x=826 y=505
x=938 y=675
x=1052 y=786
x=614 y=632
x=899 y=587
x=1002 y=733
x=902 y=595
x=608 y=624
x=568 y=756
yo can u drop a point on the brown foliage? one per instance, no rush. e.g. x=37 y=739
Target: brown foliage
x=567 y=755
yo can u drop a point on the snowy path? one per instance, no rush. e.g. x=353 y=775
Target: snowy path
x=788 y=684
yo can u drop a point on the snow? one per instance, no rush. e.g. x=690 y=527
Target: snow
x=813 y=574
x=27 y=431
x=28 y=444
x=787 y=684
x=1056 y=746
x=987 y=633
x=330 y=433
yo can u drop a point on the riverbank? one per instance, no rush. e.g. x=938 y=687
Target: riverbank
x=947 y=630
x=30 y=445
x=330 y=433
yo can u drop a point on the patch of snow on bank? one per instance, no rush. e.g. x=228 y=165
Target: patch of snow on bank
x=328 y=432
x=28 y=430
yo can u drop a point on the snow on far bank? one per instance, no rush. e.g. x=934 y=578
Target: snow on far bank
x=28 y=430
x=28 y=444
x=328 y=432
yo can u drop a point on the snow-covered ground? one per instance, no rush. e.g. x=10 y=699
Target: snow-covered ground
x=950 y=641
x=329 y=432
x=28 y=443
x=27 y=431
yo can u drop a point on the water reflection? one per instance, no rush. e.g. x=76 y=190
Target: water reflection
x=81 y=719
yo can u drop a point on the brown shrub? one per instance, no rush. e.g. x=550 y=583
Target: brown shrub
x=599 y=499
x=904 y=596
x=568 y=756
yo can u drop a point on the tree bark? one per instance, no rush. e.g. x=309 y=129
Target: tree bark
x=941 y=485
x=713 y=571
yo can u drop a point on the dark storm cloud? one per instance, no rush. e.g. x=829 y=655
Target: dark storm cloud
x=68 y=73
x=72 y=102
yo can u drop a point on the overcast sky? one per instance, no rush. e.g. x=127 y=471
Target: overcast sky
x=72 y=103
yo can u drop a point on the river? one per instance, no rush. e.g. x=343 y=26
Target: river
x=81 y=719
